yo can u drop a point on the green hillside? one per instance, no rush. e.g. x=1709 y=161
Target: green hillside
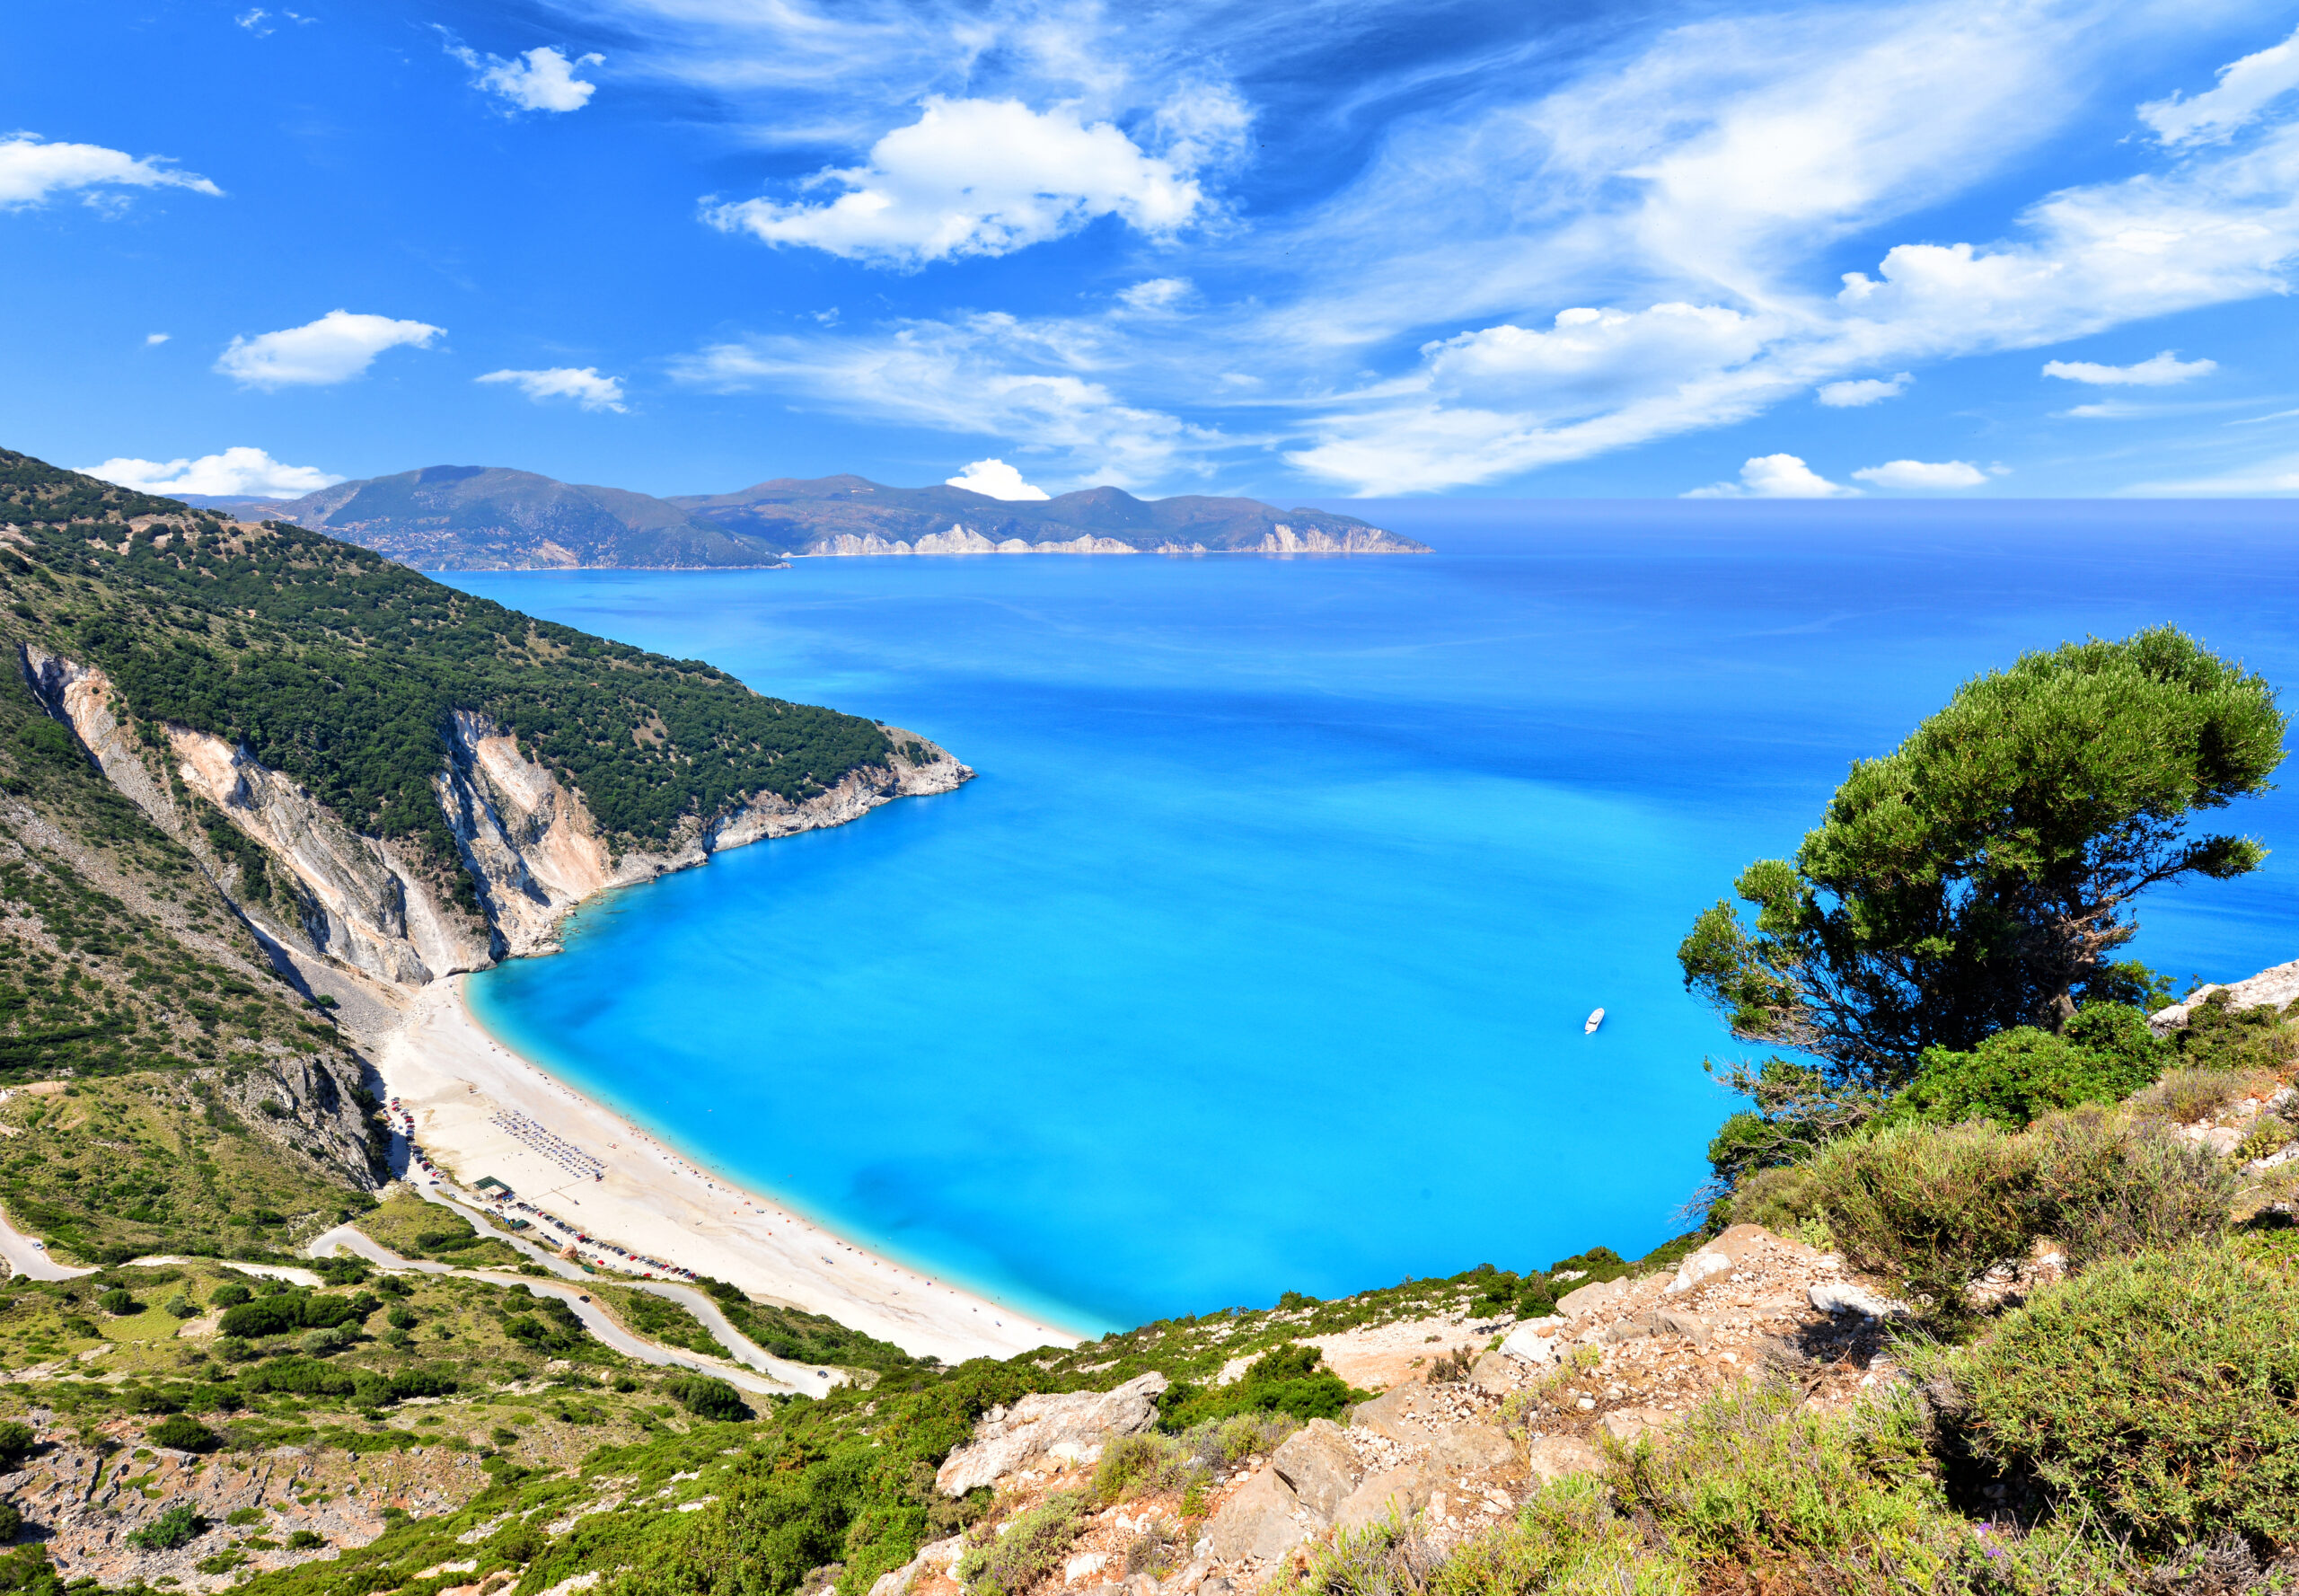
x=340 y=668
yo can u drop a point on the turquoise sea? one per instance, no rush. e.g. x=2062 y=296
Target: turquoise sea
x=1256 y=957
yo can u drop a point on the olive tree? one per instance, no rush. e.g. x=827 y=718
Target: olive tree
x=1982 y=874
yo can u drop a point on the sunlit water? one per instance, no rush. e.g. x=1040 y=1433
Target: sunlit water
x=1256 y=957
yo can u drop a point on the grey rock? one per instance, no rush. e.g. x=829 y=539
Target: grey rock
x=1553 y=1457
x=1586 y=1299
x=1495 y=1373
x=1393 y=1493
x=1386 y=1413
x=1837 y=1297
x=1077 y=1422
x=1626 y=1329
x=1317 y=1463
x=1626 y=1425
x=1471 y=1446
x=1676 y=1321
x=1257 y=1522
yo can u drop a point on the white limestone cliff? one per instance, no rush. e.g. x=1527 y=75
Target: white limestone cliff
x=532 y=849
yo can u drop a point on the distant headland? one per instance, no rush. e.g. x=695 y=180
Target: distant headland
x=468 y=517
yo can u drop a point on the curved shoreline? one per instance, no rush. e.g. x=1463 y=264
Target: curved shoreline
x=459 y=1085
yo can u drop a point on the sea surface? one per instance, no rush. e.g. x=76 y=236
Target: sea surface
x=1255 y=958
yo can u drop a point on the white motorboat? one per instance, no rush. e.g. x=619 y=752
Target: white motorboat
x=1596 y=1019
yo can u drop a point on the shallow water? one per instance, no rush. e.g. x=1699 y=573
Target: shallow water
x=1256 y=956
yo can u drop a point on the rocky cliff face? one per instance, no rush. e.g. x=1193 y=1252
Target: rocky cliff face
x=531 y=845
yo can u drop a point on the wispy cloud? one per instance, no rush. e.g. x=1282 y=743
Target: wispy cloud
x=1855 y=391
x=581 y=384
x=32 y=171
x=2245 y=89
x=2163 y=371
x=1922 y=476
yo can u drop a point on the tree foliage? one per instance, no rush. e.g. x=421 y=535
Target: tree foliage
x=1981 y=875
x=346 y=671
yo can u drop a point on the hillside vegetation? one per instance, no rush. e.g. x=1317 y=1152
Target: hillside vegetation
x=341 y=668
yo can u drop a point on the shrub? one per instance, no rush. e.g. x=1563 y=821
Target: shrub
x=180 y=1434
x=2155 y=1391
x=2186 y=1096
x=320 y=1343
x=304 y=1540
x=230 y=1294
x=2218 y=1035
x=1933 y=1204
x=1031 y=1546
x=2015 y=1076
x=706 y=1397
x=17 y=1439
x=1284 y=1380
x=277 y=1315
x=176 y=1526
x=1140 y=1465
x=118 y=1302
x=2108 y=1185
x=181 y=1307
x=12 y=1521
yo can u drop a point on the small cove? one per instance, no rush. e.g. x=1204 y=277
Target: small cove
x=1255 y=958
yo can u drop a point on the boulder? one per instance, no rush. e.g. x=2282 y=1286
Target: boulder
x=1553 y=1457
x=1495 y=1373
x=1842 y=1296
x=1676 y=1321
x=1586 y=1299
x=1257 y=1522
x=1388 y=1414
x=1393 y=1493
x=1317 y=1463
x=1699 y=1269
x=1072 y=1426
x=1078 y=1566
x=1529 y=1345
x=1627 y=1329
x=1471 y=1446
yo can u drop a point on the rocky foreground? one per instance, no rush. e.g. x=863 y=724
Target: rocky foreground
x=1460 y=1442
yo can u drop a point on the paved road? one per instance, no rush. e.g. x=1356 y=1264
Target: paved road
x=595 y=1318
x=811 y=1379
x=28 y=1258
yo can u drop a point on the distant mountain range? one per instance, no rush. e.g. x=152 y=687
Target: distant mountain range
x=468 y=517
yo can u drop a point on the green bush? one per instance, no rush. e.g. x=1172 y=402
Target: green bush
x=12 y=1521
x=1284 y=1380
x=2218 y=1035
x=231 y=1294
x=2108 y=1185
x=706 y=1397
x=17 y=1439
x=1031 y=1547
x=118 y=1302
x=2106 y=1054
x=304 y=1540
x=1934 y=1205
x=179 y=1434
x=2156 y=1391
x=176 y=1526
x=1140 y=1465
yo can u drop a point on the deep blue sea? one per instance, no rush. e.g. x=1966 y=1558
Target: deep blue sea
x=1256 y=957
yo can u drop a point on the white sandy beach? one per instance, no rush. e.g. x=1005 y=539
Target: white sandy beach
x=456 y=1080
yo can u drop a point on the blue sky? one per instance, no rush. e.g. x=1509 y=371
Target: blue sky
x=1363 y=247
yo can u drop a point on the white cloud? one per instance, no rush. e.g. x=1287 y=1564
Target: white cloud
x=1776 y=476
x=995 y=478
x=1853 y=392
x=2161 y=371
x=1588 y=358
x=581 y=384
x=253 y=21
x=32 y=170
x=1902 y=476
x=1157 y=294
x=155 y=337
x=989 y=375
x=335 y=348
x=2245 y=88
x=542 y=79
x=975 y=177
x=238 y=472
